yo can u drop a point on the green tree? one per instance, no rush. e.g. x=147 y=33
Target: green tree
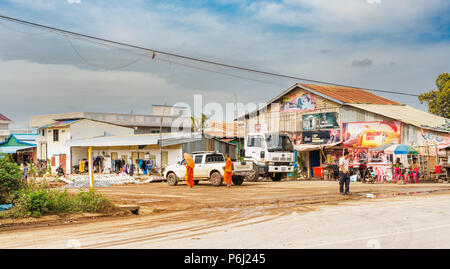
x=10 y=178
x=439 y=100
x=198 y=124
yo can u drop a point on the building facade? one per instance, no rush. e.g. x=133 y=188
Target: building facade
x=320 y=119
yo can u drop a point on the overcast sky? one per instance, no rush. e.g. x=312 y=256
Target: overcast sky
x=399 y=45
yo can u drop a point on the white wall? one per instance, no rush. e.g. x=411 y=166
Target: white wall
x=89 y=128
x=80 y=129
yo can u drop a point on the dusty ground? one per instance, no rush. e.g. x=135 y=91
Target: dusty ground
x=203 y=217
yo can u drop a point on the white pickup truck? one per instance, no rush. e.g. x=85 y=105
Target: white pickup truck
x=208 y=166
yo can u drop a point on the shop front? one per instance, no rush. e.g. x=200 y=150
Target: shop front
x=366 y=142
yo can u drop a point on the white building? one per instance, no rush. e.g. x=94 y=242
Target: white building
x=52 y=138
x=162 y=119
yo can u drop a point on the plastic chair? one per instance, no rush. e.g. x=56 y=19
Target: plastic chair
x=414 y=175
x=398 y=174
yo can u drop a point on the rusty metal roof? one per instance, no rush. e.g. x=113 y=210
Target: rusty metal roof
x=348 y=95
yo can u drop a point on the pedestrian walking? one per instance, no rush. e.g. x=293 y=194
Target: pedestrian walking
x=189 y=170
x=344 y=176
x=228 y=171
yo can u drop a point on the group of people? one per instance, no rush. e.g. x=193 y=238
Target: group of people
x=190 y=166
x=400 y=170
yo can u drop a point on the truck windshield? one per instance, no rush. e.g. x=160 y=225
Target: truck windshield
x=278 y=142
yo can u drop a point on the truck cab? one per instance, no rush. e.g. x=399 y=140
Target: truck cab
x=272 y=154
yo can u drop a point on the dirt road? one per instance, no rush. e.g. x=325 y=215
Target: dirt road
x=258 y=215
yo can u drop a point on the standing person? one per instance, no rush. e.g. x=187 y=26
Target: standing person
x=414 y=171
x=344 y=177
x=228 y=171
x=25 y=172
x=189 y=170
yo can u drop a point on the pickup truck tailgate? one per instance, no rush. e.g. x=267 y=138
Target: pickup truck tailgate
x=242 y=167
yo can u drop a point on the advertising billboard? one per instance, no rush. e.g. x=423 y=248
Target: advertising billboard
x=298 y=102
x=370 y=134
x=320 y=121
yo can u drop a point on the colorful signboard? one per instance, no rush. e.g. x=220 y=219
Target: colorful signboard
x=315 y=137
x=298 y=102
x=321 y=137
x=370 y=134
x=320 y=121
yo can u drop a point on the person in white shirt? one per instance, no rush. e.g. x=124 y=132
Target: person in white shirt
x=344 y=176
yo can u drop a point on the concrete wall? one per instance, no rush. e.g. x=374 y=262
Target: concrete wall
x=88 y=128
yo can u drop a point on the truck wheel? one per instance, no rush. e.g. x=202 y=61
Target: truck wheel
x=237 y=180
x=276 y=177
x=196 y=182
x=216 y=179
x=172 y=179
x=253 y=177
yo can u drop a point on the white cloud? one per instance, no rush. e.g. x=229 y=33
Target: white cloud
x=74 y=1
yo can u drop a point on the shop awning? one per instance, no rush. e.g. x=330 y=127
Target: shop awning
x=309 y=147
x=133 y=140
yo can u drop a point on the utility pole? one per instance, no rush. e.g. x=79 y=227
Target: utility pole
x=160 y=139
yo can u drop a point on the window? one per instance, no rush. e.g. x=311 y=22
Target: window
x=55 y=135
x=198 y=159
x=43 y=132
x=254 y=141
x=214 y=158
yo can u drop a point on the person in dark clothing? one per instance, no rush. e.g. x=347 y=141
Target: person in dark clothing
x=344 y=176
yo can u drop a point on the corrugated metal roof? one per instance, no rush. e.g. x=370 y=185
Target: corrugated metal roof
x=405 y=114
x=132 y=140
x=8 y=150
x=28 y=138
x=340 y=95
x=4 y=118
x=62 y=123
x=349 y=95
x=21 y=138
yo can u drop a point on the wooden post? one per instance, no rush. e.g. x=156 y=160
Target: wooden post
x=91 y=170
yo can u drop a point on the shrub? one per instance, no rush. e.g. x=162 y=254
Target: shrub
x=41 y=201
x=10 y=179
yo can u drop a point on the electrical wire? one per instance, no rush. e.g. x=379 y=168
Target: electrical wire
x=98 y=66
x=153 y=51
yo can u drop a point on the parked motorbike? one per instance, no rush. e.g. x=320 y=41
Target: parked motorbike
x=365 y=173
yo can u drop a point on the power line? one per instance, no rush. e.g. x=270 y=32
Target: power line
x=57 y=30
x=98 y=66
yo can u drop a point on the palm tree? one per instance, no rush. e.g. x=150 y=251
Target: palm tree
x=196 y=125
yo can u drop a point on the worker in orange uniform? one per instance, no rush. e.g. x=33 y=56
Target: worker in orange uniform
x=189 y=170
x=228 y=171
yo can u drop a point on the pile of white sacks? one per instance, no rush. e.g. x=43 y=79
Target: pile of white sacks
x=106 y=180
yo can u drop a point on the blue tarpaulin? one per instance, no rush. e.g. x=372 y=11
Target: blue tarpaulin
x=5 y=207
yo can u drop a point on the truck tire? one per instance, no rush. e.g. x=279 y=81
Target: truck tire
x=237 y=180
x=172 y=179
x=276 y=177
x=216 y=179
x=253 y=177
x=196 y=182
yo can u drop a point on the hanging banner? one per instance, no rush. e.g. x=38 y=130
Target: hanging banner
x=298 y=102
x=370 y=134
x=320 y=121
x=321 y=137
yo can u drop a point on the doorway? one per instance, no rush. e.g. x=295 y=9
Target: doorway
x=314 y=160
